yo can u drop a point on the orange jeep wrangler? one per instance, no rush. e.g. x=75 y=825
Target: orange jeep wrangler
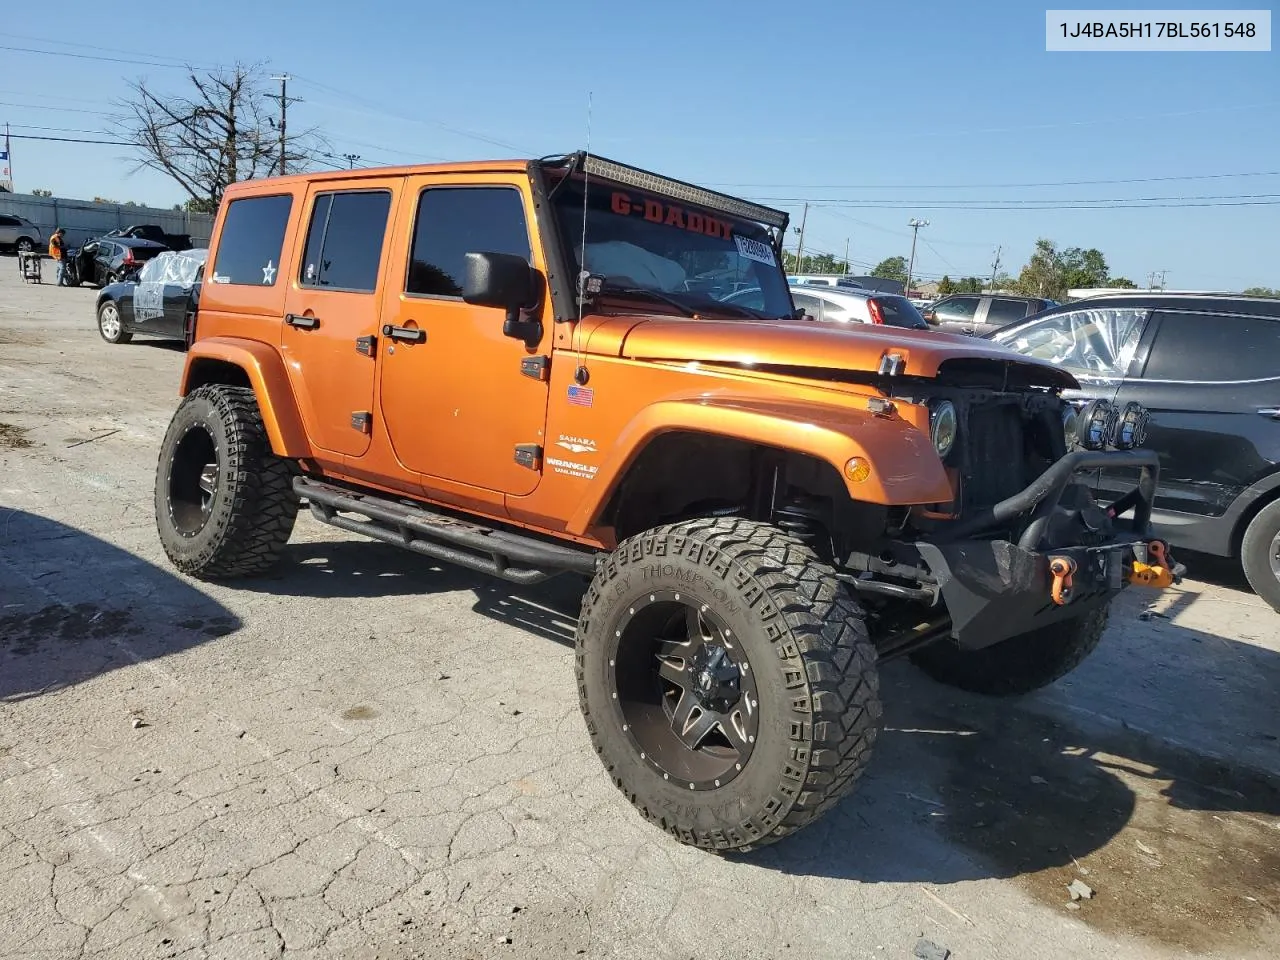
x=569 y=365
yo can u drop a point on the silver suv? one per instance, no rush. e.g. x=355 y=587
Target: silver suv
x=19 y=233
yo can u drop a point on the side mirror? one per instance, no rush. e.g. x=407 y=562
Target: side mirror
x=499 y=280
x=509 y=283
x=930 y=315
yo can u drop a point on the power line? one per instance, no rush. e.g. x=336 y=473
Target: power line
x=45 y=106
x=90 y=56
x=965 y=204
x=26 y=136
x=87 y=46
x=991 y=186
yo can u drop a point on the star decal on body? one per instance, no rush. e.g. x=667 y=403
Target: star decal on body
x=269 y=272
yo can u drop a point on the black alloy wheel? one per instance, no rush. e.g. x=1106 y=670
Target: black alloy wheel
x=686 y=691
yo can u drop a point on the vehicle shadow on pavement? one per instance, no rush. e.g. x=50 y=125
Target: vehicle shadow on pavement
x=363 y=568
x=1050 y=787
x=66 y=618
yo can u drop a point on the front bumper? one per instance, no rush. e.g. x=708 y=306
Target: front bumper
x=1001 y=574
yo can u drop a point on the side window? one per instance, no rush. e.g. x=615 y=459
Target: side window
x=958 y=308
x=810 y=305
x=1004 y=311
x=455 y=221
x=8 y=222
x=1099 y=343
x=251 y=241
x=1218 y=349
x=344 y=240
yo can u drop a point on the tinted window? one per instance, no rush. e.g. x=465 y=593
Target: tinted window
x=900 y=312
x=1004 y=311
x=344 y=240
x=251 y=241
x=455 y=221
x=957 y=308
x=8 y=222
x=1189 y=347
x=1098 y=342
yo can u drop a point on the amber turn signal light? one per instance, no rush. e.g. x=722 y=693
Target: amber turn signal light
x=857 y=469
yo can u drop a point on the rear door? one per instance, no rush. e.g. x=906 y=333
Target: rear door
x=1001 y=311
x=1212 y=385
x=331 y=309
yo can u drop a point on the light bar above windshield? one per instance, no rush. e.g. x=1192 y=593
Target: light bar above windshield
x=635 y=177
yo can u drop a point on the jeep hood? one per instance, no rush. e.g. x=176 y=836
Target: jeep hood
x=800 y=344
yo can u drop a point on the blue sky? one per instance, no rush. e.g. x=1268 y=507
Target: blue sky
x=903 y=104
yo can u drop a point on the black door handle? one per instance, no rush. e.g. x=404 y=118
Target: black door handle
x=406 y=334
x=301 y=322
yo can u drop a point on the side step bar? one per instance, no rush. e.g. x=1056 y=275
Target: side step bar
x=511 y=556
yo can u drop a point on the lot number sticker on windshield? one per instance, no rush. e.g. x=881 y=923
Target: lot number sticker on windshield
x=755 y=250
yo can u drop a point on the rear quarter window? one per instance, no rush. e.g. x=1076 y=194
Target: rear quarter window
x=1214 y=349
x=251 y=241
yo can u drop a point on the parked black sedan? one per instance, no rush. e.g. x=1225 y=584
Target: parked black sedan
x=1207 y=368
x=107 y=260
x=160 y=302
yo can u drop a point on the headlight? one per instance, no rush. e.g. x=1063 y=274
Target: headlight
x=1070 y=422
x=1131 y=427
x=944 y=425
x=1094 y=427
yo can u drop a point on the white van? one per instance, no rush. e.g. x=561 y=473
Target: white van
x=826 y=280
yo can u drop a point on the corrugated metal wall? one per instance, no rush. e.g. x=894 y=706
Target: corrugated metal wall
x=84 y=219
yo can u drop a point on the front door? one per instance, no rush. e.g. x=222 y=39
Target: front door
x=453 y=396
x=331 y=310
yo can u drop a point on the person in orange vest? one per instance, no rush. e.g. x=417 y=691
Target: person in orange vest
x=58 y=251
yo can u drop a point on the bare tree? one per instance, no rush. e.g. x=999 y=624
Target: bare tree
x=221 y=131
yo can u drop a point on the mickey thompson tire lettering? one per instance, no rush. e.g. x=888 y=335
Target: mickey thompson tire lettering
x=812 y=662
x=254 y=508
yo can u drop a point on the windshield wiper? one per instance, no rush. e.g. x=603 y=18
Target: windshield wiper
x=649 y=294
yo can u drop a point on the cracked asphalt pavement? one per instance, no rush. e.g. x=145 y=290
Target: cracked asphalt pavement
x=364 y=755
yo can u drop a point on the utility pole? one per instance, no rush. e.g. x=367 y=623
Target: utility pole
x=351 y=159
x=995 y=267
x=284 y=100
x=846 y=255
x=915 y=226
x=800 y=248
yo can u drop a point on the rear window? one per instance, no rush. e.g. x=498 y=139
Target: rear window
x=145 y=253
x=900 y=312
x=251 y=240
x=1002 y=311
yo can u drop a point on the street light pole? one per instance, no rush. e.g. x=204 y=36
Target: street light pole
x=915 y=226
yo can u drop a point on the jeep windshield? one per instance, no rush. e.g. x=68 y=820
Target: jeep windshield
x=652 y=248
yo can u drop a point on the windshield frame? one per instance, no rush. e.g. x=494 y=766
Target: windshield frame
x=758 y=223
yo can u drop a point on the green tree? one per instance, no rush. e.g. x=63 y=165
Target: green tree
x=814 y=263
x=1261 y=292
x=969 y=285
x=42 y=193
x=1123 y=282
x=201 y=205
x=891 y=268
x=1051 y=272
x=945 y=286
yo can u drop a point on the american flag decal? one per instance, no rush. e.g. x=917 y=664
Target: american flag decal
x=582 y=396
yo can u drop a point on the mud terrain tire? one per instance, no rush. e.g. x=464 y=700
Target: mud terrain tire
x=804 y=662
x=225 y=505
x=1019 y=665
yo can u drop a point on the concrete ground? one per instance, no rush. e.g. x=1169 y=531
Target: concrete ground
x=364 y=755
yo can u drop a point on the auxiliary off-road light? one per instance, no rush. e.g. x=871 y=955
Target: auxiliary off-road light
x=1093 y=428
x=944 y=425
x=1130 y=430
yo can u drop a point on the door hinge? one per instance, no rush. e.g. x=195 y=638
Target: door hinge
x=366 y=345
x=535 y=367
x=362 y=420
x=529 y=455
